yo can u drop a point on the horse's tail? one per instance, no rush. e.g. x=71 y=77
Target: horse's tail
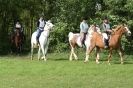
x=70 y=35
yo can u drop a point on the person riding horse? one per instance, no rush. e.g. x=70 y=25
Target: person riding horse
x=18 y=27
x=107 y=29
x=83 y=30
x=40 y=26
x=17 y=38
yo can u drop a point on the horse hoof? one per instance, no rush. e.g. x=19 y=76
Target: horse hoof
x=85 y=61
x=76 y=59
x=45 y=59
x=97 y=62
x=121 y=62
x=108 y=62
x=70 y=59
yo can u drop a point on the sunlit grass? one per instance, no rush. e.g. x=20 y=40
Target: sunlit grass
x=59 y=72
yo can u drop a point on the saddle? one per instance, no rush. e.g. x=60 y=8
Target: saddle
x=79 y=41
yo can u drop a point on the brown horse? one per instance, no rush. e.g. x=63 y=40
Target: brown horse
x=16 y=41
x=114 y=43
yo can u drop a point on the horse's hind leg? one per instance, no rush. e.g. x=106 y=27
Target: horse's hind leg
x=32 y=52
x=75 y=56
x=39 y=53
x=70 y=57
x=97 y=55
x=109 y=56
x=72 y=52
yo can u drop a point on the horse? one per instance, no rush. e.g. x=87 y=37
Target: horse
x=43 y=41
x=75 y=39
x=16 y=41
x=114 y=43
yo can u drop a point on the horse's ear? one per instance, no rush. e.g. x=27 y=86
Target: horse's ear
x=115 y=26
x=124 y=25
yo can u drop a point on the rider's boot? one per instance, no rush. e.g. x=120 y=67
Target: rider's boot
x=106 y=41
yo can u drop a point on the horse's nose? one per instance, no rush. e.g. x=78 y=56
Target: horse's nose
x=129 y=33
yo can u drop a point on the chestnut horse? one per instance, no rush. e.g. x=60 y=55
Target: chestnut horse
x=18 y=41
x=74 y=39
x=114 y=43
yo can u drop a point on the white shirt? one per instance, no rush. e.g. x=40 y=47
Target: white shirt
x=106 y=26
x=84 y=27
x=18 y=26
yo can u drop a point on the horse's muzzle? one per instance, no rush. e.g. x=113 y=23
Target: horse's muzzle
x=129 y=34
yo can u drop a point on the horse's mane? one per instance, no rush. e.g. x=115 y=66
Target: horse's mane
x=117 y=28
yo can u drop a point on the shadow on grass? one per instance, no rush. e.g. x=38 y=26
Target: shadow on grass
x=61 y=59
x=125 y=62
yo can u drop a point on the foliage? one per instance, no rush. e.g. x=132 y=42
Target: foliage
x=65 y=14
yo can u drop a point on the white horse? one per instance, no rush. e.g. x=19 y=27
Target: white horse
x=74 y=39
x=43 y=40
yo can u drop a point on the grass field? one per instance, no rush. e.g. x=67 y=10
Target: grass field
x=58 y=72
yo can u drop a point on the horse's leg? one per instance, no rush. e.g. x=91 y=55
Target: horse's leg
x=87 y=57
x=20 y=48
x=120 y=51
x=17 y=47
x=43 y=52
x=12 y=43
x=32 y=48
x=75 y=56
x=97 y=55
x=39 y=53
x=70 y=58
x=46 y=47
x=72 y=52
x=109 y=56
x=12 y=47
x=88 y=51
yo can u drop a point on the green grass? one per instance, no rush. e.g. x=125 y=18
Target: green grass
x=58 y=72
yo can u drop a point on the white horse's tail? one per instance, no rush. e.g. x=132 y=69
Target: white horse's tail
x=70 y=35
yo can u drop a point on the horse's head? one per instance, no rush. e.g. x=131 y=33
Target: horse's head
x=122 y=29
x=90 y=30
x=48 y=25
x=94 y=28
x=127 y=31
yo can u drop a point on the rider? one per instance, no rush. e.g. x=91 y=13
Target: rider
x=40 y=26
x=107 y=29
x=19 y=27
x=83 y=30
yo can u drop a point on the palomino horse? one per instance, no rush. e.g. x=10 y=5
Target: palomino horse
x=114 y=43
x=74 y=39
x=43 y=40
